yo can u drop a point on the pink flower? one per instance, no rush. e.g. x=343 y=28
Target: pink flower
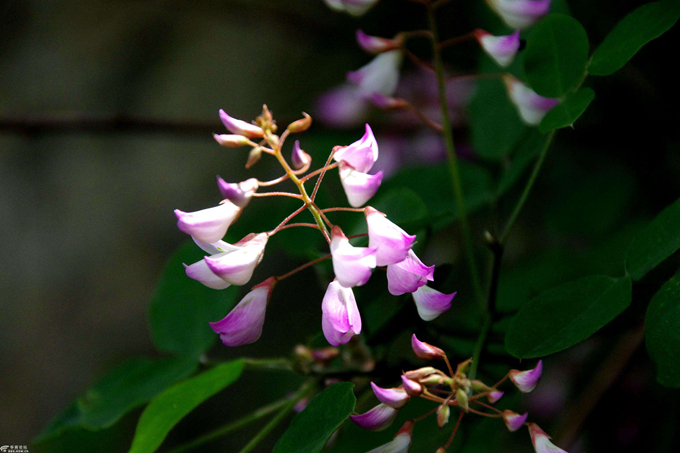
x=526 y=381
x=352 y=265
x=243 y=325
x=236 y=266
x=359 y=187
x=381 y=75
x=431 y=303
x=351 y=7
x=494 y=396
x=401 y=442
x=520 y=13
x=501 y=48
x=394 y=397
x=377 y=419
x=299 y=157
x=240 y=127
x=208 y=225
x=411 y=387
x=360 y=155
x=408 y=275
x=200 y=271
x=391 y=242
x=375 y=45
x=541 y=440
x=238 y=193
x=340 y=314
x=231 y=140
x=513 y=420
x=532 y=107
x=425 y=350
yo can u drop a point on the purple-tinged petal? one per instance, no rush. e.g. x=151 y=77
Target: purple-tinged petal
x=208 y=225
x=392 y=243
x=231 y=140
x=299 y=157
x=431 y=303
x=200 y=272
x=375 y=45
x=531 y=106
x=243 y=325
x=377 y=419
x=237 y=266
x=494 y=396
x=401 y=442
x=412 y=388
x=394 y=397
x=352 y=265
x=340 y=315
x=360 y=155
x=420 y=373
x=342 y=107
x=381 y=75
x=541 y=440
x=359 y=187
x=240 y=127
x=513 y=420
x=408 y=275
x=425 y=350
x=527 y=380
x=501 y=48
x=520 y=13
x=238 y=193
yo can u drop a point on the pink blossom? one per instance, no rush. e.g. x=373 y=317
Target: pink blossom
x=240 y=127
x=237 y=266
x=513 y=420
x=377 y=419
x=352 y=265
x=526 y=381
x=392 y=243
x=532 y=107
x=411 y=387
x=401 y=442
x=425 y=350
x=208 y=225
x=360 y=155
x=520 y=13
x=501 y=48
x=408 y=275
x=238 y=193
x=299 y=158
x=431 y=303
x=381 y=75
x=541 y=440
x=394 y=397
x=340 y=314
x=359 y=187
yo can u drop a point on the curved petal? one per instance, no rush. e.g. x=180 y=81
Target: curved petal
x=208 y=225
x=352 y=265
x=215 y=247
x=501 y=48
x=532 y=107
x=340 y=315
x=394 y=397
x=238 y=193
x=377 y=419
x=375 y=44
x=527 y=380
x=520 y=13
x=200 y=272
x=513 y=420
x=541 y=440
x=392 y=243
x=401 y=442
x=359 y=187
x=237 y=266
x=240 y=127
x=381 y=75
x=425 y=350
x=408 y=275
x=243 y=325
x=360 y=155
x=431 y=303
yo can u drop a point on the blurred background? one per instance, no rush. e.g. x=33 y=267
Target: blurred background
x=106 y=115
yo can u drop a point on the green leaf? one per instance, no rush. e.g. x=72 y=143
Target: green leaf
x=173 y=404
x=646 y=23
x=566 y=315
x=662 y=332
x=403 y=207
x=568 y=111
x=556 y=55
x=528 y=148
x=656 y=242
x=182 y=308
x=311 y=428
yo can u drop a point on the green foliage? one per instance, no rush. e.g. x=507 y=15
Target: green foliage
x=556 y=55
x=311 y=428
x=568 y=111
x=403 y=207
x=566 y=315
x=528 y=148
x=656 y=243
x=173 y=404
x=662 y=332
x=644 y=24
x=182 y=308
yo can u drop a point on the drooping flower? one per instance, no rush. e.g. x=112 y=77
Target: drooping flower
x=394 y=397
x=401 y=442
x=408 y=275
x=527 y=380
x=359 y=187
x=380 y=75
x=513 y=420
x=520 y=13
x=541 y=440
x=411 y=387
x=351 y=7
x=299 y=158
x=200 y=271
x=375 y=44
x=340 y=315
x=377 y=419
x=238 y=193
x=240 y=127
x=494 y=396
x=431 y=303
x=243 y=325
x=352 y=265
x=360 y=155
x=501 y=48
x=208 y=225
x=391 y=242
x=531 y=106
x=236 y=266
x=425 y=350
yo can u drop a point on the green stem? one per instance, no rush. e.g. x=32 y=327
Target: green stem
x=306 y=387
x=527 y=188
x=453 y=162
x=270 y=364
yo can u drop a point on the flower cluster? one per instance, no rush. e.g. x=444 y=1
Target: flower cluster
x=451 y=389
x=389 y=247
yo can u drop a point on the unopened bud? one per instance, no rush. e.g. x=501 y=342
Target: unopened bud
x=479 y=386
x=253 y=156
x=464 y=367
x=300 y=125
x=462 y=399
x=299 y=157
x=420 y=373
x=443 y=414
x=412 y=388
x=231 y=140
x=436 y=379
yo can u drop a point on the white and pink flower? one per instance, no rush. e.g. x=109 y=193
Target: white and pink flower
x=359 y=187
x=377 y=419
x=380 y=75
x=394 y=397
x=501 y=48
x=392 y=243
x=240 y=127
x=238 y=193
x=541 y=440
x=360 y=155
x=352 y=265
x=408 y=275
x=208 y=225
x=430 y=303
x=527 y=380
x=513 y=420
x=401 y=442
x=340 y=315
x=531 y=106
x=425 y=350
x=299 y=158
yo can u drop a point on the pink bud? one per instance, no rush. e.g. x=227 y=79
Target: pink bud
x=352 y=265
x=426 y=351
x=520 y=13
x=392 y=243
x=359 y=187
x=231 y=141
x=236 y=266
x=340 y=315
x=526 y=381
x=360 y=155
x=541 y=440
x=501 y=48
x=375 y=45
x=299 y=157
x=377 y=419
x=494 y=396
x=208 y=225
x=408 y=275
x=394 y=397
x=513 y=420
x=411 y=387
x=240 y=127
x=238 y=193
x=431 y=303
x=532 y=107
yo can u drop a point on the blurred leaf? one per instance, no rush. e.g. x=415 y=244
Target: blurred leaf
x=403 y=207
x=528 y=149
x=656 y=243
x=662 y=332
x=494 y=122
x=566 y=315
x=311 y=428
x=80 y=440
x=568 y=111
x=644 y=24
x=556 y=55
x=182 y=308
x=173 y=404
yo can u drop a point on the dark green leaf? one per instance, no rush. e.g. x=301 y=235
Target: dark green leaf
x=528 y=148
x=173 y=404
x=656 y=243
x=556 y=55
x=566 y=315
x=568 y=111
x=311 y=428
x=113 y=439
x=182 y=308
x=662 y=332
x=646 y=23
x=403 y=207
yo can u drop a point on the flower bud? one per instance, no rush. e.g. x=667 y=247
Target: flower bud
x=425 y=350
x=479 y=386
x=494 y=396
x=501 y=48
x=440 y=450
x=513 y=420
x=300 y=125
x=462 y=399
x=377 y=419
x=420 y=373
x=526 y=381
x=375 y=45
x=231 y=140
x=411 y=387
x=443 y=414
x=299 y=157
x=238 y=193
x=254 y=156
x=240 y=127
x=436 y=379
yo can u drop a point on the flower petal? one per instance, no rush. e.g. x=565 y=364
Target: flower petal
x=541 y=440
x=394 y=397
x=237 y=266
x=240 y=127
x=381 y=75
x=532 y=107
x=425 y=350
x=377 y=419
x=431 y=303
x=359 y=187
x=520 y=13
x=401 y=442
x=238 y=193
x=208 y=225
x=408 y=275
x=360 y=155
x=200 y=272
x=501 y=48
x=527 y=380
x=340 y=315
x=392 y=243
x=513 y=420
x=243 y=325
x=352 y=265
